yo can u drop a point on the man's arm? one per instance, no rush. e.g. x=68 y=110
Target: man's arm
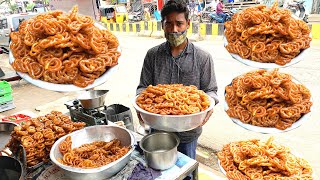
x=146 y=77
x=208 y=82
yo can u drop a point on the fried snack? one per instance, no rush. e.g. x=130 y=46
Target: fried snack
x=173 y=99
x=267 y=99
x=63 y=48
x=267 y=35
x=91 y=155
x=38 y=135
x=254 y=159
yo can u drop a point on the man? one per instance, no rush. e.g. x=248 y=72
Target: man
x=192 y=6
x=179 y=61
x=220 y=12
x=146 y=14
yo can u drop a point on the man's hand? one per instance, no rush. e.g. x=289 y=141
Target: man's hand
x=209 y=113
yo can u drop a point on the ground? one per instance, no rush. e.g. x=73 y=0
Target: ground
x=304 y=140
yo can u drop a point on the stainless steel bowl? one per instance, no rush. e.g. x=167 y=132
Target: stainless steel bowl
x=160 y=150
x=5 y=133
x=11 y=169
x=89 y=135
x=92 y=99
x=173 y=123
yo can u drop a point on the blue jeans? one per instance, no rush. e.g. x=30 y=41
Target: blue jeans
x=223 y=15
x=189 y=149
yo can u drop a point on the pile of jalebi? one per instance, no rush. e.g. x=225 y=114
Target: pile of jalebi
x=267 y=99
x=63 y=48
x=92 y=155
x=173 y=99
x=254 y=159
x=38 y=135
x=267 y=35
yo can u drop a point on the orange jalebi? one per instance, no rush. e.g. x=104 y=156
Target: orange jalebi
x=50 y=45
x=268 y=35
x=267 y=99
x=253 y=159
x=92 y=155
x=173 y=99
x=38 y=135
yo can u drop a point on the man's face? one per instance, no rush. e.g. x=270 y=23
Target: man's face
x=175 y=22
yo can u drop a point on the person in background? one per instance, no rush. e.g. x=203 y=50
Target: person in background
x=192 y=7
x=219 y=11
x=231 y=1
x=178 y=61
x=146 y=14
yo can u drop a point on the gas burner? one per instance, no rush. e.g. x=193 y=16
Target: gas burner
x=91 y=117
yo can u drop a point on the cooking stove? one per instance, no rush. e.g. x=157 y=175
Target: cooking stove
x=91 y=117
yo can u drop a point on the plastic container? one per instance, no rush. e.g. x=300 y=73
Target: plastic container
x=5 y=98
x=7 y=106
x=5 y=88
x=17 y=118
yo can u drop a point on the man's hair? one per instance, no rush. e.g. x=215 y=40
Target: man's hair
x=173 y=6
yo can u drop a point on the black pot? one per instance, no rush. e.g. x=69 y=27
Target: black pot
x=11 y=169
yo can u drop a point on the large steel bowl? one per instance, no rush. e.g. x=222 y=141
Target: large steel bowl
x=173 y=123
x=89 y=135
x=92 y=99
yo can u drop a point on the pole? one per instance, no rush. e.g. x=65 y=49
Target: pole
x=315 y=7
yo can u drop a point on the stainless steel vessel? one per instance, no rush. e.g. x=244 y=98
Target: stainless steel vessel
x=92 y=99
x=173 y=123
x=88 y=135
x=160 y=150
x=5 y=130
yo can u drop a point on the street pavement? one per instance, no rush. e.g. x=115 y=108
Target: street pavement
x=219 y=130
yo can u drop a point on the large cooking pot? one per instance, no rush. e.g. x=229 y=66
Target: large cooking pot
x=5 y=130
x=160 y=150
x=11 y=168
x=89 y=135
x=92 y=99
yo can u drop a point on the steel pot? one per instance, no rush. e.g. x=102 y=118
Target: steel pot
x=92 y=99
x=160 y=150
x=11 y=169
x=5 y=130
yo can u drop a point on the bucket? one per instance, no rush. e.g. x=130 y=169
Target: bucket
x=92 y=99
x=118 y=112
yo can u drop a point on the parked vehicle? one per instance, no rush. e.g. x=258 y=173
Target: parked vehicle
x=113 y=14
x=205 y=14
x=298 y=9
x=135 y=16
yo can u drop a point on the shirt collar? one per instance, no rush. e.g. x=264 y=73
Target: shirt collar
x=189 y=47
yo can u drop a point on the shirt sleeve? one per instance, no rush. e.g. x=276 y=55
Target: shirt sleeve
x=219 y=7
x=146 y=77
x=208 y=82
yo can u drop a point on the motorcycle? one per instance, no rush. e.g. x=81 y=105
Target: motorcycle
x=215 y=18
x=298 y=9
x=135 y=16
